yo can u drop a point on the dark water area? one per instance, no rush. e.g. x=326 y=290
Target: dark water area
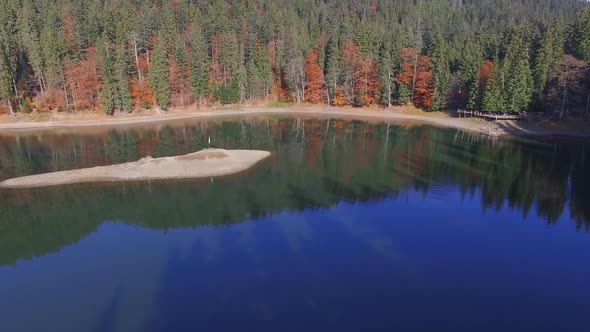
x=348 y=226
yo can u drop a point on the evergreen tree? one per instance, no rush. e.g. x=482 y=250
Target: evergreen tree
x=7 y=55
x=493 y=98
x=474 y=94
x=469 y=65
x=550 y=50
x=404 y=94
x=122 y=68
x=579 y=36
x=199 y=66
x=158 y=74
x=108 y=94
x=518 y=90
x=441 y=74
x=387 y=71
x=29 y=37
x=333 y=65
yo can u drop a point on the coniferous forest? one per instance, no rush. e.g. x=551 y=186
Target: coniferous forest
x=122 y=55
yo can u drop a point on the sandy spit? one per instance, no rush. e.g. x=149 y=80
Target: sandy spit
x=203 y=164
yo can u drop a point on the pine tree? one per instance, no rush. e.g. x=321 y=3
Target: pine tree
x=550 y=50
x=29 y=36
x=493 y=100
x=108 y=94
x=7 y=56
x=121 y=70
x=199 y=66
x=579 y=35
x=469 y=65
x=519 y=83
x=387 y=71
x=333 y=65
x=441 y=74
x=158 y=74
x=404 y=94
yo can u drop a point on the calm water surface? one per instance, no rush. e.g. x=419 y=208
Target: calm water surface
x=349 y=226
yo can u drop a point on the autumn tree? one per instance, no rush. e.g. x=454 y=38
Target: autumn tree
x=86 y=80
x=566 y=80
x=348 y=63
x=405 y=77
x=314 y=87
x=423 y=86
x=367 y=83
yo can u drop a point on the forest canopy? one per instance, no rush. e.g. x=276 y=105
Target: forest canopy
x=122 y=55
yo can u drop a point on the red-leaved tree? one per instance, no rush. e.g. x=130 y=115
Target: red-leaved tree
x=485 y=71
x=367 y=83
x=314 y=87
x=423 y=87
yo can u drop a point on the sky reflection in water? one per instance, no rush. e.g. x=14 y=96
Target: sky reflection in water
x=349 y=235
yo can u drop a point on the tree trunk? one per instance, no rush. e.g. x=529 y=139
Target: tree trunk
x=20 y=106
x=139 y=76
x=586 y=114
x=563 y=101
x=63 y=75
x=326 y=85
x=388 y=88
x=10 y=107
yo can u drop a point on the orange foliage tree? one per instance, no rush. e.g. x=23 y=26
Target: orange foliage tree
x=314 y=87
x=485 y=71
x=179 y=83
x=423 y=87
x=85 y=80
x=407 y=60
x=367 y=82
x=339 y=98
x=348 y=64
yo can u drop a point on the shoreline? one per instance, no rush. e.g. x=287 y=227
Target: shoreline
x=476 y=125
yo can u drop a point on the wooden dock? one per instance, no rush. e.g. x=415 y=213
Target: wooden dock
x=491 y=116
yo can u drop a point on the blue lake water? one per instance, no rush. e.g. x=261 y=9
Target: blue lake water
x=349 y=226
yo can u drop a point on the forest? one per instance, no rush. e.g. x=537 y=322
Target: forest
x=123 y=55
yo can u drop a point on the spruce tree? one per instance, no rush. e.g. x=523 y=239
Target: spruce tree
x=108 y=94
x=158 y=74
x=7 y=57
x=199 y=66
x=493 y=100
x=333 y=66
x=122 y=68
x=29 y=36
x=579 y=36
x=549 y=52
x=387 y=70
x=518 y=90
x=441 y=74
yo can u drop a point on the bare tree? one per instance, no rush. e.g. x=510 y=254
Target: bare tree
x=567 y=76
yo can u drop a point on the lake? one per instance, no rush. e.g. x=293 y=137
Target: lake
x=349 y=226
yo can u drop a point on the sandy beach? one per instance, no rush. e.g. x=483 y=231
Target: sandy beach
x=499 y=128
x=203 y=164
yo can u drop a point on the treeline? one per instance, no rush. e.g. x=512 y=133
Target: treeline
x=121 y=55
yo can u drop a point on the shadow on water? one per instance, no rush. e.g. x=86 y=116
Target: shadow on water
x=315 y=165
